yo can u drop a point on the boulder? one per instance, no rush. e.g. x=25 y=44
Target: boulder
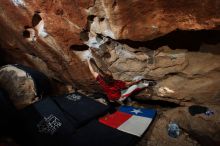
x=24 y=85
x=54 y=36
x=143 y=20
x=199 y=128
x=182 y=76
x=45 y=34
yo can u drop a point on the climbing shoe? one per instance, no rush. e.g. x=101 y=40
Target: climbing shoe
x=149 y=82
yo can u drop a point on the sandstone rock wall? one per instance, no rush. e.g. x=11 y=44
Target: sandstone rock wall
x=200 y=127
x=53 y=36
x=46 y=35
x=182 y=76
x=44 y=41
x=143 y=20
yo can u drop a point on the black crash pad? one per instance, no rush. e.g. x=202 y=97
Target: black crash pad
x=7 y=113
x=124 y=127
x=98 y=134
x=45 y=124
x=80 y=107
x=50 y=121
x=6 y=107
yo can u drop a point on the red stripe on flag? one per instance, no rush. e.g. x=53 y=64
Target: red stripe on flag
x=115 y=120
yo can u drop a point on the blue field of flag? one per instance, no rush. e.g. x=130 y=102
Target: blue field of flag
x=150 y=113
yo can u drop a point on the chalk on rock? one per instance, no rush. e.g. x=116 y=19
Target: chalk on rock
x=95 y=41
x=109 y=33
x=124 y=53
x=41 y=30
x=18 y=3
x=137 y=78
x=87 y=54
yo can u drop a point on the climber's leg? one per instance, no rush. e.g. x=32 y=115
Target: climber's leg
x=136 y=87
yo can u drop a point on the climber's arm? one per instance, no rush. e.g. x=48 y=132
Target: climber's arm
x=94 y=73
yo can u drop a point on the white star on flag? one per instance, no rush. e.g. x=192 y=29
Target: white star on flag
x=136 y=111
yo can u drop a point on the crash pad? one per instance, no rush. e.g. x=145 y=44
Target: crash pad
x=6 y=107
x=53 y=119
x=80 y=107
x=7 y=113
x=129 y=119
x=45 y=124
x=98 y=134
x=121 y=128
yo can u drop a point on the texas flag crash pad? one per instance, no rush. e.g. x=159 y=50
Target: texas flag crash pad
x=131 y=120
x=121 y=128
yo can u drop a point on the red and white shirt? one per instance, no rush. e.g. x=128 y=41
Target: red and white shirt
x=113 y=90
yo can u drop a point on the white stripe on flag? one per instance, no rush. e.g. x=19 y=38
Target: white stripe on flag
x=135 y=125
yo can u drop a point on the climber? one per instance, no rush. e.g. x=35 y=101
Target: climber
x=116 y=90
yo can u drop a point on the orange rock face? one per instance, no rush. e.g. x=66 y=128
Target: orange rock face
x=47 y=35
x=143 y=20
x=40 y=33
x=43 y=34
